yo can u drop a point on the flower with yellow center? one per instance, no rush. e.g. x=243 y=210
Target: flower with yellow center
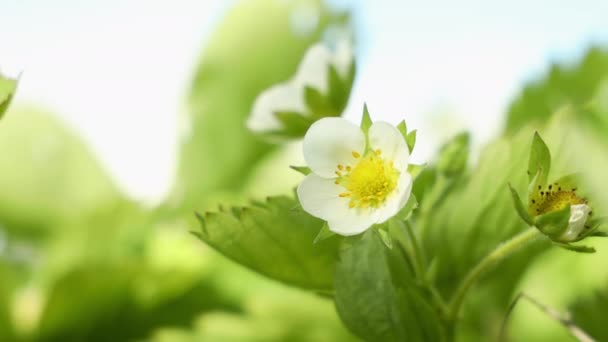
x=558 y=196
x=357 y=179
x=289 y=96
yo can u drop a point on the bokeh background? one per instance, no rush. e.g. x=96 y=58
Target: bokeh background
x=112 y=143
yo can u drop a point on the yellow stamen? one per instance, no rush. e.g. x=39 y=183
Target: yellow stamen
x=356 y=155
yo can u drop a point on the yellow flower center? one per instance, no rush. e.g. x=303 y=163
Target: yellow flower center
x=553 y=198
x=369 y=182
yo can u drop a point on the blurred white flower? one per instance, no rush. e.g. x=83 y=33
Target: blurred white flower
x=289 y=96
x=357 y=180
x=579 y=213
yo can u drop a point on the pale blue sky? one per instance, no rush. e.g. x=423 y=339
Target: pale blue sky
x=419 y=60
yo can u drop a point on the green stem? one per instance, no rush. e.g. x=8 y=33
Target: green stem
x=417 y=251
x=502 y=251
x=419 y=264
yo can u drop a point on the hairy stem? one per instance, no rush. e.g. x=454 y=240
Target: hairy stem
x=502 y=251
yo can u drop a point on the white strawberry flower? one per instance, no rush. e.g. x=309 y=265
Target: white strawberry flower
x=289 y=96
x=357 y=179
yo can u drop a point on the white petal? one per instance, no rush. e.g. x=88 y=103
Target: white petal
x=320 y=197
x=355 y=221
x=332 y=141
x=387 y=138
x=280 y=97
x=396 y=201
x=578 y=217
x=312 y=70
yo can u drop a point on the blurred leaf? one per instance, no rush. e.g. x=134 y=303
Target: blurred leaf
x=6 y=287
x=471 y=218
x=243 y=57
x=7 y=90
x=274 y=240
x=48 y=175
x=589 y=313
x=377 y=297
x=563 y=85
x=454 y=155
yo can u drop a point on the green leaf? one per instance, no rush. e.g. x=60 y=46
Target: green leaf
x=565 y=83
x=519 y=206
x=7 y=90
x=275 y=241
x=540 y=160
x=217 y=152
x=377 y=296
x=454 y=155
x=553 y=224
x=305 y=170
x=462 y=220
x=48 y=176
x=589 y=312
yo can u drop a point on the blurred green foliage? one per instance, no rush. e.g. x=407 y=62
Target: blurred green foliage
x=7 y=89
x=81 y=262
x=564 y=85
x=243 y=57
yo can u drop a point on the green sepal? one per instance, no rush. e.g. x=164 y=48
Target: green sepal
x=7 y=90
x=305 y=170
x=540 y=160
x=406 y=212
x=338 y=89
x=454 y=155
x=324 y=234
x=402 y=127
x=599 y=233
x=317 y=103
x=553 y=224
x=410 y=139
x=415 y=170
x=384 y=236
x=519 y=207
x=575 y=248
x=294 y=124
x=366 y=120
